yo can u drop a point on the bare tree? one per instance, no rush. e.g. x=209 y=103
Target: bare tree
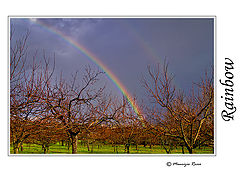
x=73 y=104
x=181 y=116
x=27 y=82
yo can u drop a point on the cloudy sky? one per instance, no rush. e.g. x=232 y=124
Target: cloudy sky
x=125 y=45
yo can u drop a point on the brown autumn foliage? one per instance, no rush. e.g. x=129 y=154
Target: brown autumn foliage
x=49 y=132
x=27 y=82
x=45 y=111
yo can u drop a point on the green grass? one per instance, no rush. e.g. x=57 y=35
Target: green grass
x=105 y=149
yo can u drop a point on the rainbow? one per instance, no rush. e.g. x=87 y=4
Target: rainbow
x=94 y=59
x=150 y=52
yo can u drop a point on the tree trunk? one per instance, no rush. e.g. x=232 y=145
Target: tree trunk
x=44 y=149
x=16 y=146
x=15 y=150
x=144 y=143
x=182 y=149
x=21 y=147
x=88 y=145
x=127 y=147
x=190 y=150
x=74 y=139
x=68 y=144
x=92 y=148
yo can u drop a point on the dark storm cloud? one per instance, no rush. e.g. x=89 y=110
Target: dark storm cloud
x=73 y=27
x=186 y=43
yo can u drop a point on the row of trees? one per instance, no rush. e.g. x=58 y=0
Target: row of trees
x=45 y=110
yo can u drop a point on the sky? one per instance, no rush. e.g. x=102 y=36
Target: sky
x=125 y=46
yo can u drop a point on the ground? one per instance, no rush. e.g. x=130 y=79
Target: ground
x=105 y=149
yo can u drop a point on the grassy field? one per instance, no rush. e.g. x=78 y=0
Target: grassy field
x=105 y=149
